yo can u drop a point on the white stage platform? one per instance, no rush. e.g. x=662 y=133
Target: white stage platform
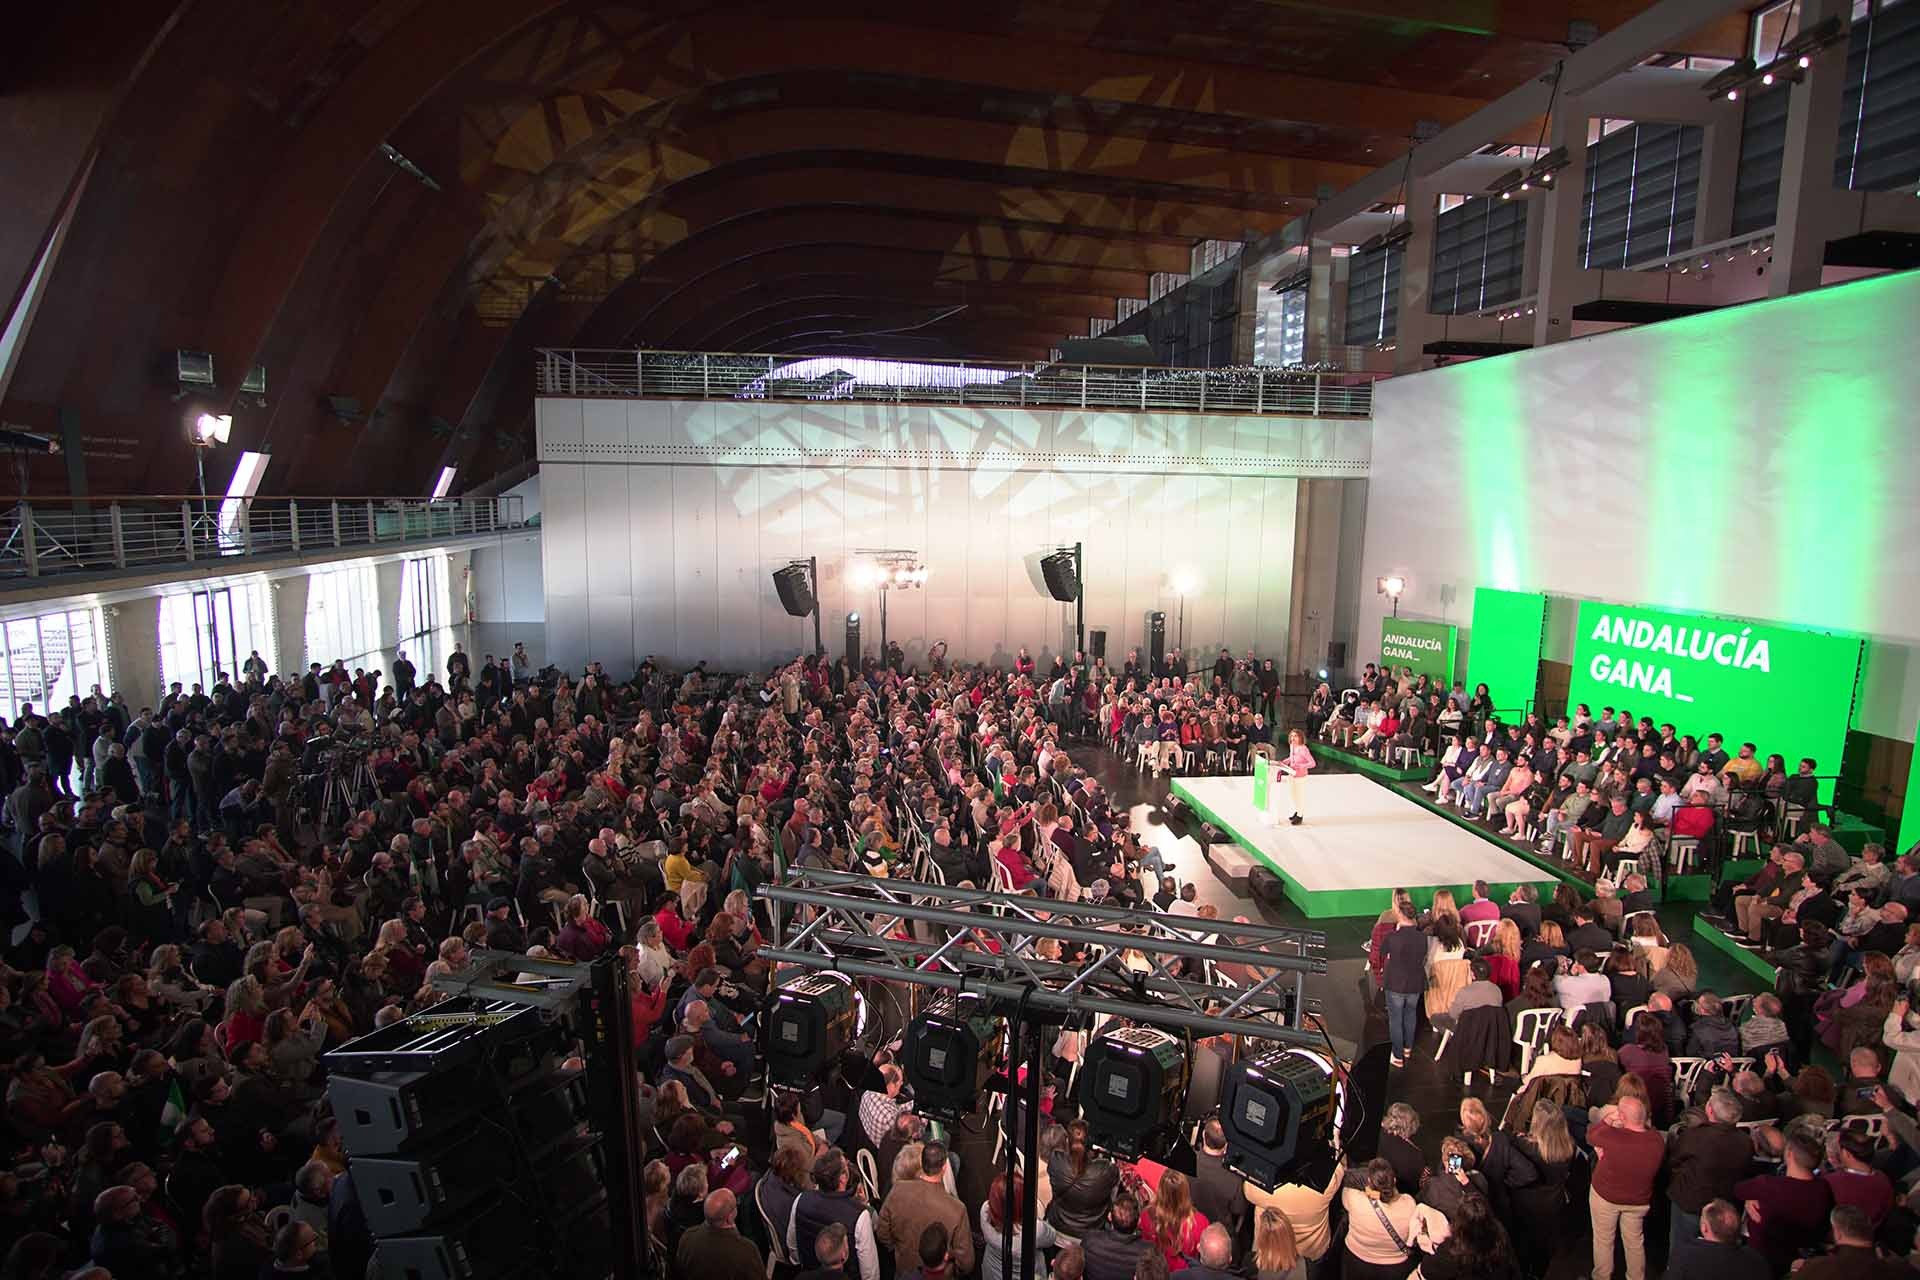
x=1360 y=841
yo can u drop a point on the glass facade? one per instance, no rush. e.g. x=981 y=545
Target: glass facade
x=52 y=657
x=343 y=613
x=204 y=633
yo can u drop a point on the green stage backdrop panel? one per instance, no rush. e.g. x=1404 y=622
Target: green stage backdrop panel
x=1782 y=688
x=1503 y=649
x=1427 y=647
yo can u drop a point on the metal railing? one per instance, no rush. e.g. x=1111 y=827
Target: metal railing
x=55 y=537
x=702 y=375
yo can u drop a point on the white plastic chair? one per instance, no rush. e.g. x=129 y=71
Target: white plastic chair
x=1686 y=1075
x=1530 y=1033
x=1874 y=1126
x=869 y=1173
x=1480 y=933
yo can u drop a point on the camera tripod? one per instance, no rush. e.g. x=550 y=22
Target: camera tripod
x=347 y=790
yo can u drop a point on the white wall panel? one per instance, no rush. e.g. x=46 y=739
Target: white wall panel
x=608 y=552
x=696 y=556
x=650 y=543
x=564 y=531
x=664 y=521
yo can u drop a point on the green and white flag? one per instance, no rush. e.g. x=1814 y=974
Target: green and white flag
x=173 y=1113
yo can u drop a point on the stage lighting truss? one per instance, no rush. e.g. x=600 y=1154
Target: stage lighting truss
x=886 y=570
x=1209 y=977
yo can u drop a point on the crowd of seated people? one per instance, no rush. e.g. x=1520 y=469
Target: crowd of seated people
x=195 y=928
x=1601 y=791
x=191 y=940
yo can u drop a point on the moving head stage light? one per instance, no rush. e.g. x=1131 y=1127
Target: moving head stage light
x=1279 y=1111
x=950 y=1051
x=808 y=1024
x=1131 y=1085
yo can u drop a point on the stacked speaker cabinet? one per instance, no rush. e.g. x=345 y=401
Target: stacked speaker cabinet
x=1156 y=641
x=474 y=1150
x=795 y=586
x=1062 y=572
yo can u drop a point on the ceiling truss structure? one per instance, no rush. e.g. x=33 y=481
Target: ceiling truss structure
x=592 y=172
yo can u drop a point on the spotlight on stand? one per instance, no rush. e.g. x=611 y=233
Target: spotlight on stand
x=210 y=429
x=808 y=1025
x=1393 y=587
x=1279 y=1111
x=949 y=1053
x=1132 y=1083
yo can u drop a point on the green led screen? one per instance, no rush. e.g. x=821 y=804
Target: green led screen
x=1503 y=648
x=1781 y=688
x=1425 y=647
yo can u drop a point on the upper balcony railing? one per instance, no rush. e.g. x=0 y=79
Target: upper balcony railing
x=706 y=375
x=67 y=536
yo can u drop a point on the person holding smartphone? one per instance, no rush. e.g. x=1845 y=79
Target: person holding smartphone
x=1456 y=1177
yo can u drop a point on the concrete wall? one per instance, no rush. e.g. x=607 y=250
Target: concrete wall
x=508 y=581
x=1758 y=461
x=664 y=520
x=133 y=649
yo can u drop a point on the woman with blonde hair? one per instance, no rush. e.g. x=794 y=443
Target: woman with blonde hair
x=169 y=981
x=1443 y=908
x=1174 y=1225
x=1299 y=762
x=246 y=1012
x=1537 y=1207
x=1679 y=974
x=1276 y=1253
x=1502 y=955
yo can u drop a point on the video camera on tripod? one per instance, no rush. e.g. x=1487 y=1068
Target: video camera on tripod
x=338 y=773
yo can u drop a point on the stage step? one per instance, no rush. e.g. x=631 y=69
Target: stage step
x=1231 y=863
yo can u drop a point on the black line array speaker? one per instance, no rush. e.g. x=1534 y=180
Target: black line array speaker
x=1097 y=643
x=796 y=589
x=473 y=1149
x=1062 y=574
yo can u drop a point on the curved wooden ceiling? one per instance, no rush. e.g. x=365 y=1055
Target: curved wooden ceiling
x=725 y=176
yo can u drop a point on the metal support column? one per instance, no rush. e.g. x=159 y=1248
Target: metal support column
x=813 y=581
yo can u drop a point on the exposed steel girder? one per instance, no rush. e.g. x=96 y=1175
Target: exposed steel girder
x=570 y=206
x=659 y=65
x=701 y=270
x=990 y=237
x=814 y=178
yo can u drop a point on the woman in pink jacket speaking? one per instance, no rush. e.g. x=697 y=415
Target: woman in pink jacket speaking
x=1298 y=764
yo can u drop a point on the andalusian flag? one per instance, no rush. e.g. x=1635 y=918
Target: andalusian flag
x=174 y=1113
